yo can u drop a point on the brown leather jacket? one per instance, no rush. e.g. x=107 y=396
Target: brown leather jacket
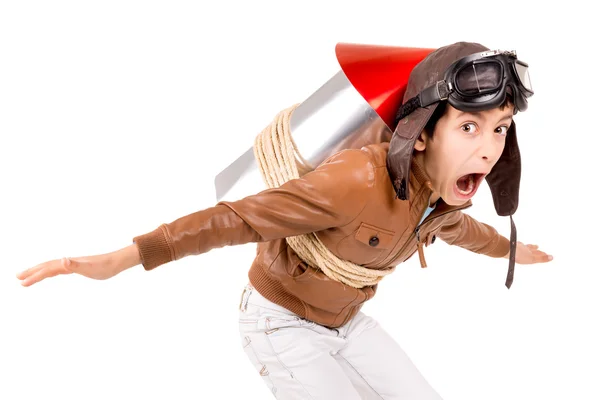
x=347 y=201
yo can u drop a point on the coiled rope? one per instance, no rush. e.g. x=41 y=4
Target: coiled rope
x=275 y=153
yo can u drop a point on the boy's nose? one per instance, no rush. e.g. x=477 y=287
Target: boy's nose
x=489 y=150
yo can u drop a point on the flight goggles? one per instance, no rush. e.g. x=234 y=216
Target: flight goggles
x=478 y=82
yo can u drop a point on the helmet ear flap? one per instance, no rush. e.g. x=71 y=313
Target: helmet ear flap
x=402 y=146
x=505 y=178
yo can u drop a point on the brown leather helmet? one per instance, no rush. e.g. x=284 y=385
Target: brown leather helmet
x=505 y=176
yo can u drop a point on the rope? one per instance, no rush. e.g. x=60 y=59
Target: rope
x=276 y=152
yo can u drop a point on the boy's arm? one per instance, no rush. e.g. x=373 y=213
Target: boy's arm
x=331 y=195
x=464 y=231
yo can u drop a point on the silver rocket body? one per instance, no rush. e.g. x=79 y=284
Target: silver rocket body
x=334 y=118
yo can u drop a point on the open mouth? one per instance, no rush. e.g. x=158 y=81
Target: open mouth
x=467 y=185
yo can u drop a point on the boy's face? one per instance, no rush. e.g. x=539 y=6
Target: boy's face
x=464 y=149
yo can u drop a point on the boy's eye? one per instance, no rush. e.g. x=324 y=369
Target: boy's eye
x=468 y=128
x=502 y=130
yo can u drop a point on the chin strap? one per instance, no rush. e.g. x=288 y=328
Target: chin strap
x=513 y=250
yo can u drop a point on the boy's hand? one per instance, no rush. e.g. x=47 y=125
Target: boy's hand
x=529 y=254
x=100 y=267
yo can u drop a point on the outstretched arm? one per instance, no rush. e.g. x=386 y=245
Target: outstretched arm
x=465 y=231
x=331 y=195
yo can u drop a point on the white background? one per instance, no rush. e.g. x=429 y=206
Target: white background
x=115 y=117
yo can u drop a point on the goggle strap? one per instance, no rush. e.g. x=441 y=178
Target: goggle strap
x=435 y=93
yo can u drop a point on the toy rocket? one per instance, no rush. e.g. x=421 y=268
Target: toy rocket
x=354 y=108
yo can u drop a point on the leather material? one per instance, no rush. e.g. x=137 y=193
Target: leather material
x=347 y=200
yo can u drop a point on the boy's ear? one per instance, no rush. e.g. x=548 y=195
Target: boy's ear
x=421 y=142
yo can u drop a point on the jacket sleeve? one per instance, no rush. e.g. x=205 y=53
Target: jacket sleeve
x=330 y=196
x=465 y=231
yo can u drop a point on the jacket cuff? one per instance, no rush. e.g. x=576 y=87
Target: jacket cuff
x=497 y=248
x=154 y=248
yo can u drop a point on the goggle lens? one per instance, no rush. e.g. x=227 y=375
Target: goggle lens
x=479 y=78
x=523 y=74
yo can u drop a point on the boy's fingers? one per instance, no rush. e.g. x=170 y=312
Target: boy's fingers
x=543 y=254
x=45 y=270
x=50 y=271
x=35 y=278
x=540 y=256
x=30 y=271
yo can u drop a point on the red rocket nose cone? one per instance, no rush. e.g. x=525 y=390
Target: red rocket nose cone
x=380 y=73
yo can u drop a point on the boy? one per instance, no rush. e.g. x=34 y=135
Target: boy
x=374 y=207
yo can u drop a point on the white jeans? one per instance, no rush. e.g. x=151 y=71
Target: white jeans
x=299 y=359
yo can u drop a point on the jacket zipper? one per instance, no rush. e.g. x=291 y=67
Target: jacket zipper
x=419 y=244
x=418 y=236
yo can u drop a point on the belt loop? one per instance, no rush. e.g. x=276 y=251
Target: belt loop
x=244 y=301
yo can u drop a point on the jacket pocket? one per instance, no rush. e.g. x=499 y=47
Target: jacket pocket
x=374 y=237
x=366 y=245
x=302 y=271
